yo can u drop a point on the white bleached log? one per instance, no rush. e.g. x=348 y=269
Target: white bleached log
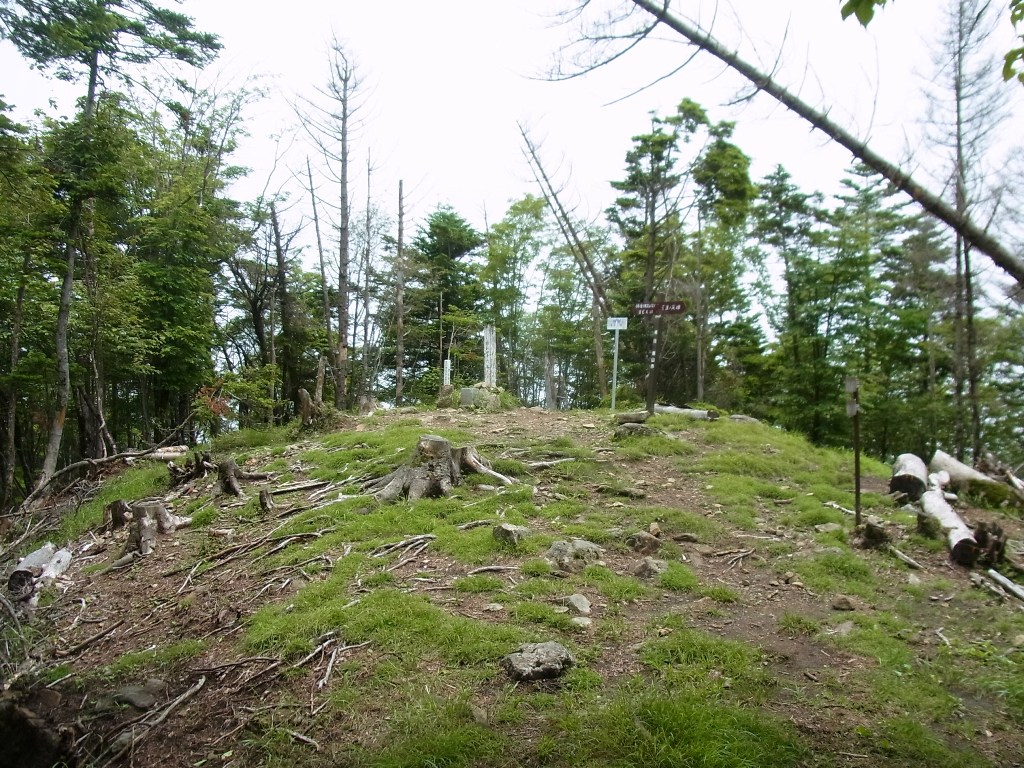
x=963 y=548
x=909 y=476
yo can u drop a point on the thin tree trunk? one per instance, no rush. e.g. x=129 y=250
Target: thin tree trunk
x=320 y=254
x=400 y=299
x=63 y=389
x=602 y=372
x=341 y=360
x=367 y=382
x=71 y=244
x=10 y=446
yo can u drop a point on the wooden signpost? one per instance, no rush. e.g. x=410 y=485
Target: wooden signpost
x=656 y=309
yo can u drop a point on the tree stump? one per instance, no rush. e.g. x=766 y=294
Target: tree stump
x=434 y=471
x=230 y=473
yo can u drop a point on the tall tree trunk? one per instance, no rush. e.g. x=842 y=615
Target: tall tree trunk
x=367 y=388
x=341 y=359
x=400 y=300
x=11 y=421
x=71 y=244
x=289 y=354
x=325 y=292
x=602 y=371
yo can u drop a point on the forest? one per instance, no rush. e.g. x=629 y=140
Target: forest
x=142 y=304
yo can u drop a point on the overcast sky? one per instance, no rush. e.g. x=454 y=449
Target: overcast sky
x=447 y=80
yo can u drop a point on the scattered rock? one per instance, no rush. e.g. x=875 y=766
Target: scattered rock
x=843 y=629
x=509 y=534
x=829 y=528
x=137 y=696
x=577 y=603
x=650 y=567
x=566 y=554
x=538 y=661
x=634 y=430
x=479 y=714
x=913 y=578
x=582 y=621
x=843 y=603
x=687 y=537
x=494 y=607
x=644 y=543
x=654 y=529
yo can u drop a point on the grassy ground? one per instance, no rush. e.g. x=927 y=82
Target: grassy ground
x=319 y=646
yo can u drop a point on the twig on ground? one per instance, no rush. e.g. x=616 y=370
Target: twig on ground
x=905 y=559
x=63 y=654
x=493 y=568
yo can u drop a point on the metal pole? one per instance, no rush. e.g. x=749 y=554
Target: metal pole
x=615 y=369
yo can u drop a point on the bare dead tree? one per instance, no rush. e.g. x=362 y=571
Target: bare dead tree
x=331 y=128
x=592 y=277
x=619 y=33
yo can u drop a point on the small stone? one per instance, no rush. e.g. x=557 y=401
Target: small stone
x=644 y=543
x=788 y=576
x=843 y=603
x=686 y=537
x=566 y=554
x=494 y=607
x=137 y=696
x=913 y=578
x=561 y=609
x=843 y=629
x=774 y=583
x=797 y=584
x=654 y=529
x=650 y=567
x=479 y=714
x=509 y=534
x=582 y=621
x=578 y=603
x=538 y=661
x=1018 y=641
x=828 y=528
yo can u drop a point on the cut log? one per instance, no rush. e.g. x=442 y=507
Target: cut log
x=632 y=417
x=434 y=471
x=690 y=413
x=959 y=473
x=909 y=476
x=963 y=548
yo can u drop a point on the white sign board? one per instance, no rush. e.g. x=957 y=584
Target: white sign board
x=617 y=323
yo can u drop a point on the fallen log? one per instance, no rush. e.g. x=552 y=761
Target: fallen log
x=909 y=476
x=691 y=413
x=1010 y=586
x=963 y=548
x=970 y=481
x=434 y=471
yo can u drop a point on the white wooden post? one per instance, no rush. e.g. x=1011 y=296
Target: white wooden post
x=490 y=357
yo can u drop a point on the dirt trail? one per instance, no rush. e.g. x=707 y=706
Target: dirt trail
x=185 y=592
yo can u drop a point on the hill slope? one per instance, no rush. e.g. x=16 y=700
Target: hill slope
x=333 y=632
